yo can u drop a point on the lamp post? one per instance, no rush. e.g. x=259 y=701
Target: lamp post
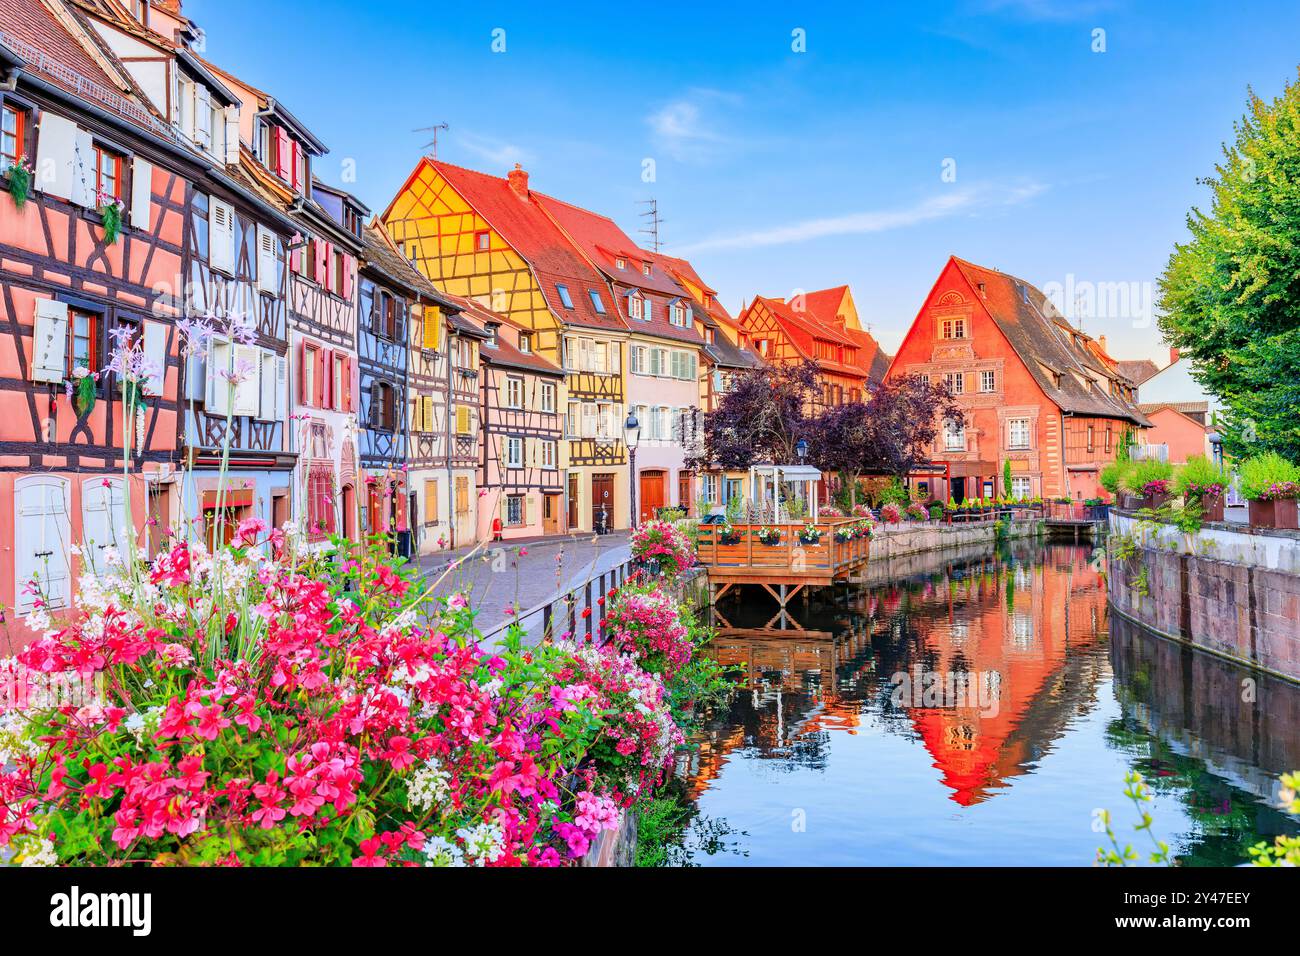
x=801 y=452
x=631 y=435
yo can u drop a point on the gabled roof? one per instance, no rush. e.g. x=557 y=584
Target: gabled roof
x=522 y=222
x=1137 y=371
x=476 y=317
x=380 y=255
x=1051 y=349
x=823 y=305
x=803 y=329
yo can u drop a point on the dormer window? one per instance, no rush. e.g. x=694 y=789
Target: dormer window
x=491 y=341
x=645 y=268
x=708 y=336
x=634 y=306
x=620 y=263
x=677 y=314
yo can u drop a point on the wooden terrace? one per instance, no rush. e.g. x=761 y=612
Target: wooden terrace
x=782 y=569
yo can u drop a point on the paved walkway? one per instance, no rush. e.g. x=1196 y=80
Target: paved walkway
x=497 y=576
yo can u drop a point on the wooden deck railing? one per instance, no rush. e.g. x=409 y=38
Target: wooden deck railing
x=790 y=558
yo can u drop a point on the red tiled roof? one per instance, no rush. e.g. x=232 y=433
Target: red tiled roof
x=823 y=304
x=804 y=328
x=1137 y=371
x=523 y=223
x=30 y=21
x=480 y=316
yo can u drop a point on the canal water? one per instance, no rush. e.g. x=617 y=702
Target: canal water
x=979 y=710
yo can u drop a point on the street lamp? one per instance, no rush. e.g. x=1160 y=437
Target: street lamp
x=801 y=450
x=631 y=435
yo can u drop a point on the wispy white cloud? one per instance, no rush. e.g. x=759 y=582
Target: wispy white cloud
x=498 y=154
x=1048 y=9
x=686 y=127
x=968 y=200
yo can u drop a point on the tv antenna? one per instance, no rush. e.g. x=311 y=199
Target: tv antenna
x=653 y=222
x=433 y=143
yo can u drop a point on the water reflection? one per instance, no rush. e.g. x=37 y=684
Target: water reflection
x=988 y=685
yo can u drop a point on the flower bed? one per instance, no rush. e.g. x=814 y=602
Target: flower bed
x=321 y=710
x=661 y=545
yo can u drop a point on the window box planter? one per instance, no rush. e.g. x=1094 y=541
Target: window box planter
x=729 y=538
x=813 y=537
x=1154 y=500
x=769 y=537
x=1276 y=513
x=1212 y=507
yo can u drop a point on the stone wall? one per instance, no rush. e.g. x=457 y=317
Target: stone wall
x=1229 y=590
x=902 y=550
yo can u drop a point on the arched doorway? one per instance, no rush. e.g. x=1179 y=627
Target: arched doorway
x=349 y=512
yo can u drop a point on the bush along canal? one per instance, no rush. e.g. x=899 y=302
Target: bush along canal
x=983 y=710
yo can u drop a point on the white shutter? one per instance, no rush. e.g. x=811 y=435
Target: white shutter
x=155 y=350
x=232 y=135
x=267 y=384
x=202 y=117
x=196 y=383
x=103 y=521
x=249 y=391
x=267 y=261
x=83 y=178
x=217 y=399
x=41 y=538
x=141 y=193
x=56 y=155
x=49 y=341
x=185 y=98
x=281 y=387
x=221 y=236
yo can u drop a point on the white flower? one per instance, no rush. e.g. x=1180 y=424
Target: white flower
x=483 y=841
x=429 y=787
x=439 y=851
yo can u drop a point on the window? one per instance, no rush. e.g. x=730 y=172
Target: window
x=988 y=381
x=13 y=135
x=956 y=382
x=708 y=336
x=462 y=495
x=525 y=342
x=953 y=329
x=1018 y=433
x=596 y=301
x=108 y=174
x=514 y=452
x=565 y=299
x=514 y=509
x=709 y=489
x=550 y=457
x=620 y=262
x=85 y=332
x=1020 y=487
x=339 y=387
x=320 y=502
x=482 y=241
x=573 y=424
x=636 y=358
x=383 y=407
x=763 y=346
x=310 y=361
x=634 y=306
x=677 y=314
x=954 y=436
x=645 y=268
x=514 y=392
x=548 y=396
x=1090 y=438
x=431 y=501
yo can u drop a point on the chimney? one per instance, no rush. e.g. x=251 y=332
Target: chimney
x=518 y=178
x=1101 y=340
x=1173 y=355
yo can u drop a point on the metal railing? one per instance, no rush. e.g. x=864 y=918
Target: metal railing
x=573 y=614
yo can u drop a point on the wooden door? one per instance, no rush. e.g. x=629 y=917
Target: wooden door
x=684 y=496
x=550 y=514
x=349 y=513
x=602 y=502
x=573 y=502
x=651 y=496
x=41 y=538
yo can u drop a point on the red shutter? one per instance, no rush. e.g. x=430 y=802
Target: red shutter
x=354 y=385
x=346 y=404
x=349 y=264
x=304 y=356
x=283 y=153
x=295 y=261
x=319 y=397
x=331 y=278
x=294 y=154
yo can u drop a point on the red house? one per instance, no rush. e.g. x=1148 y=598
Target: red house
x=1035 y=391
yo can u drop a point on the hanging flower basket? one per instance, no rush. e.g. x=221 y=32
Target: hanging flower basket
x=110 y=210
x=81 y=389
x=810 y=534
x=728 y=535
x=769 y=536
x=20 y=181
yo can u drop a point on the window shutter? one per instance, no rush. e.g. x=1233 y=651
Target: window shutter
x=374 y=405
x=283 y=153
x=648 y=310
x=49 y=341
x=249 y=391
x=141 y=193
x=56 y=155
x=155 y=350
x=319 y=266
x=268 y=261
x=267 y=382
x=431 y=500
x=432 y=327
x=232 y=135
x=295 y=154
x=304 y=356
x=281 y=387
x=426 y=402
x=217 y=400
x=221 y=237
x=202 y=117
x=504 y=508
x=349 y=270
x=328 y=266
x=528 y=509
x=318 y=399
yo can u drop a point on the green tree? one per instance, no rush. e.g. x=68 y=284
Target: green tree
x=1230 y=297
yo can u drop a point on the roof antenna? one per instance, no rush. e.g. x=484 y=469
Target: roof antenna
x=433 y=143
x=653 y=222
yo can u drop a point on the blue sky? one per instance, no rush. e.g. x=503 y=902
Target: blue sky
x=778 y=170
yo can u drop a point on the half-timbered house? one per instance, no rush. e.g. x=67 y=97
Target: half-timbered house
x=488 y=238
x=69 y=293
x=663 y=353
x=520 y=480
x=1038 y=396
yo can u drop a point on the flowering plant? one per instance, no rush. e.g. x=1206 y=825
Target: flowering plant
x=861 y=511
x=891 y=514
x=1159 y=486
x=768 y=535
x=1281 y=491
x=20 y=175
x=916 y=512
x=728 y=534
x=845 y=533
x=81 y=389
x=661 y=544
x=830 y=511
x=810 y=533
x=314 y=710
x=110 y=210
x=646 y=625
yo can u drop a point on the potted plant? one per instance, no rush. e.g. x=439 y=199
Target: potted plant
x=727 y=534
x=19 y=175
x=890 y=513
x=844 y=533
x=916 y=512
x=1202 y=482
x=1149 y=480
x=936 y=511
x=110 y=211
x=810 y=534
x=1270 y=484
x=769 y=536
